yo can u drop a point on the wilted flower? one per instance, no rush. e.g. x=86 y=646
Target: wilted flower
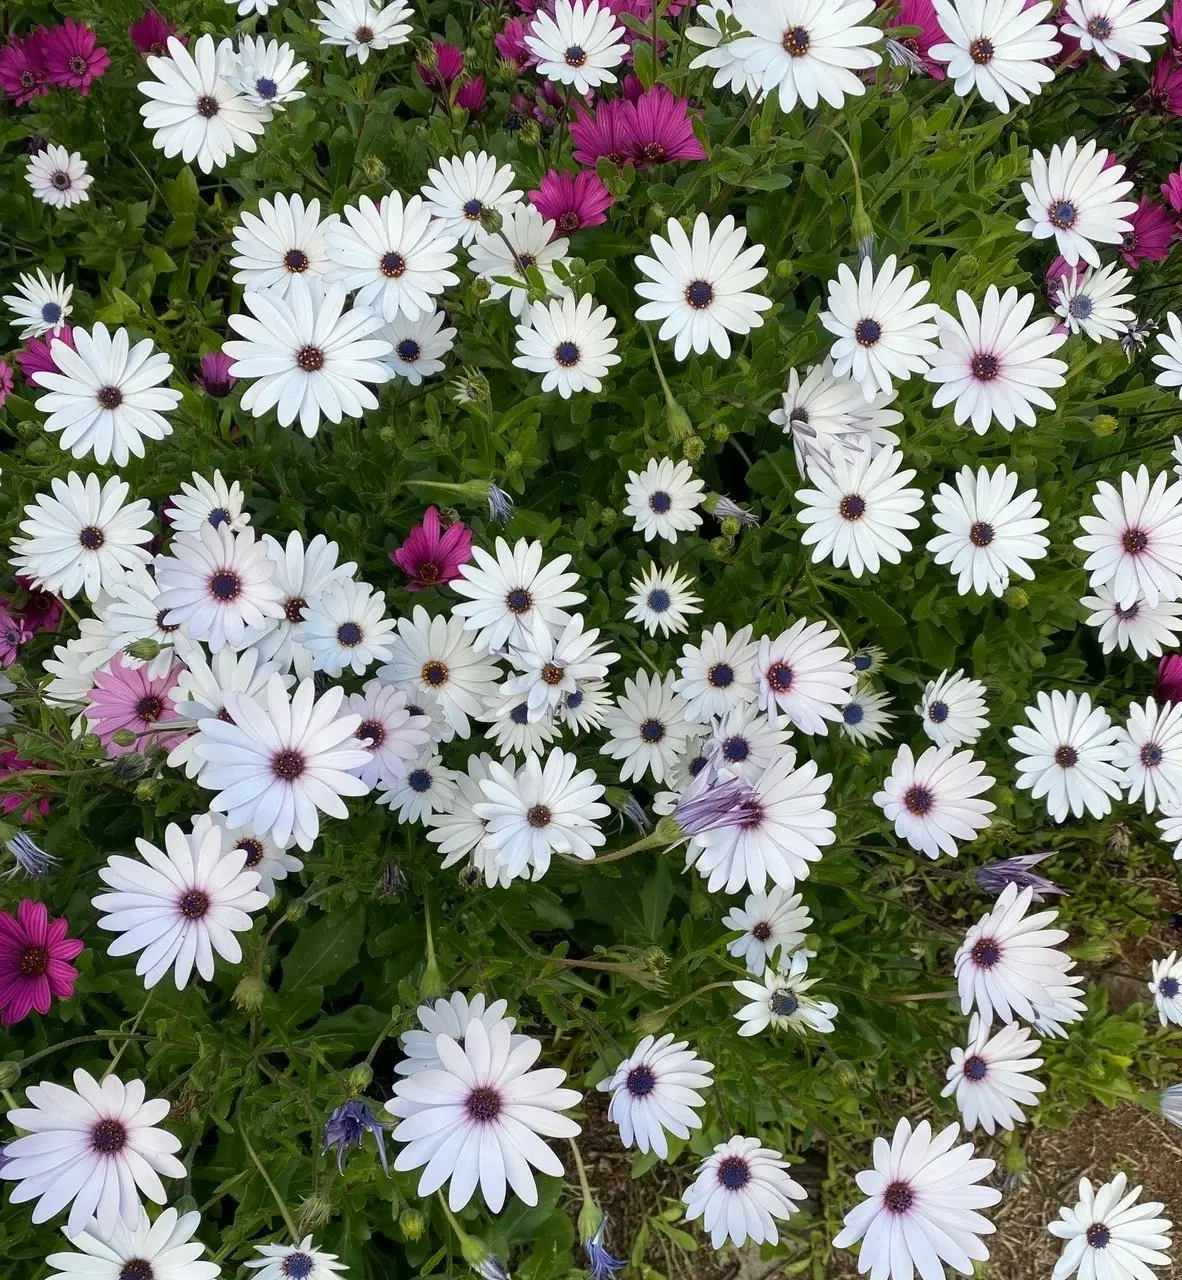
x=600 y=1263
x=28 y=857
x=729 y=805
x=215 y=375
x=500 y=505
x=994 y=876
x=1136 y=336
x=725 y=509
x=633 y=810
x=347 y=1127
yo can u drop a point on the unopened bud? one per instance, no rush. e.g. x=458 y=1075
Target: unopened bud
x=250 y=993
x=844 y=1075
x=655 y=960
x=1118 y=839
x=1016 y=598
x=145 y=650
x=123 y=738
x=373 y=168
x=10 y=1073
x=668 y=829
x=412 y=1224
x=693 y=449
x=677 y=420
x=785 y=269
x=491 y=219
x=481 y=288
x=314 y=1211
x=530 y=133
x=15 y=673
x=296 y=910
x=147 y=790
x=1104 y=424
x=590 y=1216
x=730 y=527
x=129 y=767
x=359 y=1078
x=720 y=547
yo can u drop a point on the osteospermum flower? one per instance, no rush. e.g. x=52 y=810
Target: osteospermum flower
x=23 y=73
x=526 y=240
x=882 y=326
x=461 y=190
x=307 y=356
x=283 y=240
x=35 y=957
x=1168 y=360
x=1112 y=30
x=646 y=728
x=37 y=357
x=1166 y=989
x=767 y=923
x=740 y=1191
x=476 y=1119
x=267 y=73
x=1149 y=750
x=425 y=789
x=803 y=677
x=953 y=709
x=1135 y=542
x=657 y=1089
x=1146 y=629
x=1152 y=230
x=570 y=343
x=417 y=346
x=41 y=304
x=1068 y=755
x=998 y=47
x=663 y=499
x=806 y=50
x=431 y=555
x=104 y=394
x=858 y=516
x=179 y=905
x=606 y=133
x=346 y=628
x=572 y=201
x=163 y=1249
x=996 y=364
x=782 y=1000
x=358 y=26
x=129 y=700
x=1091 y=301
x=269 y=859
x=933 y=801
x=73 y=56
x=1074 y=195
x=990 y=530
x=990 y=1077
x=864 y=718
x=207 y=502
x=922 y=1207
x=662 y=601
x=718 y=53
x=58 y=177
x=577 y=45
x=660 y=128
x=554 y=664
x=717 y=675
x=288 y=1261
x=1110 y=1235
x=450 y=1017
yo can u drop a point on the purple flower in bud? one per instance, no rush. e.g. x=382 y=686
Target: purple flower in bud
x=600 y=1264
x=347 y=1127
x=995 y=876
x=500 y=505
x=36 y=144
x=704 y=808
x=471 y=96
x=725 y=509
x=215 y=375
x=633 y=810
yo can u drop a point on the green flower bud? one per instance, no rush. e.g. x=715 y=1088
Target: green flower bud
x=491 y=219
x=1016 y=598
x=10 y=1073
x=730 y=527
x=677 y=420
x=506 y=70
x=608 y=517
x=145 y=649
x=412 y=1224
x=313 y=1212
x=129 y=767
x=15 y=673
x=431 y=984
x=785 y=269
x=297 y=909
x=250 y=993
x=590 y=1216
x=655 y=960
x=513 y=460
x=124 y=737
x=530 y=133
x=720 y=548
x=359 y=1078
x=1104 y=424
x=373 y=168
x=1015 y=1159
x=720 y=433
x=147 y=790
x=651 y=1023
x=693 y=449
x=668 y=830
x=844 y=1075
x=481 y=288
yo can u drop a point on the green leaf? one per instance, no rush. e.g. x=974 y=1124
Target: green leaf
x=324 y=951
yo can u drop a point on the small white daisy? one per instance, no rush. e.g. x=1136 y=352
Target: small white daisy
x=953 y=709
x=511 y=728
x=358 y=26
x=991 y=1077
x=1169 y=360
x=767 y=923
x=346 y=628
x=289 y=1261
x=283 y=240
x=1149 y=750
x=663 y=499
x=782 y=1000
x=579 y=45
x=1109 y=1235
x=459 y=833
x=1091 y=302
x=450 y=1017
x=393 y=734
x=267 y=72
x=207 y=502
x=1112 y=30
x=744 y=744
x=864 y=718
x=646 y=728
x=1166 y=988
x=1068 y=755
x=1074 y=195
x=699 y=288
x=993 y=364
x=998 y=47
x=740 y=1191
x=160 y=1250
x=882 y=326
x=525 y=241
x=662 y=601
x=264 y=855
x=587 y=707
x=1146 y=630
x=41 y=304
x=719 y=56
x=426 y=788
x=417 y=347
x=933 y=800
x=460 y=190
x=717 y=675
x=554 y=663
x=657 y=1089
x=246 y=7
x=989 y=529
x=804 y=677
x=570 y=343
x=58 y=177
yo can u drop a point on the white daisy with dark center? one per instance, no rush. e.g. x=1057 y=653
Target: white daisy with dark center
x=1092 y=302
x=1115 y=31
x=283 y=240
x=569 y=343
x=998 y=47
x=865 y=717
x=804 y=677
x=768 y=923
x=717 y=675
x=58 y=177
x=991 y=1077
x=1165 y=987
x=1147 y=630
x=160 y=1250
x=302 y=1261
x=663 y=499
x=656 y=1090
x=782 y=1000
x=450 y=1016
x=646 y=728
x=359 y=26
x=1109 y=1235
x=934 y=802
x=740 y=1192
x=953 y=709
x=525 y=242
x=40 y=305
x=460 y=190
x=1149 y=750
x=578 y=44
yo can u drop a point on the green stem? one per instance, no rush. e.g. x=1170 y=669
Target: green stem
x=274 y=1190
x=135 y=1026
x=652 y=346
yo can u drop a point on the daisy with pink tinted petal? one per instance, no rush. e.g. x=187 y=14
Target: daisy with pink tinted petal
x=662 y=129
x=1150 y=234
x=1114 y=29
x=73 y=56
x=23 y=73
x=933 y=801
x=432 y=553
x=35 y=957
x=572 y=202
x=126 y=698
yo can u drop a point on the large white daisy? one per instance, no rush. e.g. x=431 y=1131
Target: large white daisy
x=657 y=1089
x=1068 y=755
x=283 y=240
x=933 y=801
x=578 y=44
x=461 y=190
x=998 y=47
x=804 y=677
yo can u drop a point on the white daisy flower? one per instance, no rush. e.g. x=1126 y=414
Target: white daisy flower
x=767 y=923
x=417 y=347
x=1068 y=755
x=1112 y=30
x=95 y=1147
x=807 y=50
x=864 y=718
x=554 y=663
x=662 y=601
x=1091 y=302
x=991 y=1076
x=523 y=242
x=73 y=667
x=570 y=343
x=132 y=612
x=717 y=675
x=426 y=788
x=246 y=7
x=993 y=364
x=744 y=745
x=1169 y=361
x=105 y=396
x=1063 y=1008
x=450 y=1017
x=933 y=800
x=646 y=728
x=391 y=732
x=270 y=860
x=267 y=73
x=1009 y=962
x=882 y=326
x=41 y=304
x=346 y=628
x=989 y=529
x=85 y=537
x=477 y=1118
x=953 y=709
x=1075 y=198
x=1166 y=989
x=579 y=45
x=921 y=1210
x=997 y=47
x=1148 y=631
x=663 y=499
x=513 y=731
x=804 y=677
x=435 y=656
x=1169 y=824
x=393 y=255
x=1149 y=750
x=179 y=906
x=782 y=1000
x=58 y=177
x=216 y=584
x=164 y=1249
x=460 y=190
x=780 y=829
x=700 y=289
x=657 y=1089
x=193 y=109
x=459 y=834
x=282 y=759
x=719 y=55
x=358 y=26
x=586 y=708
x=740 y=1191
x=1135 y=542
x=288 y=1261
x=858 y=516
x=283 y=240
x=207 y=502
x=306 y=356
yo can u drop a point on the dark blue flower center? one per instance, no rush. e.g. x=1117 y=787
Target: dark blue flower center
x=520 y=714
x=721 y=676
x=1151 y=755
x=349 y=634
x=696 y=765
x=862 y=662
x=518 y=600
x=297 y=1266
x=641 y=1081
x=734 y=1173
x=473 y=209
x=225 y=585
x=658 y=600
x=266 y=88
x=985 y=953
x=1062 y=215
x=575 y=56
x=784 y=1004
x=409 y=350
x=736 y=749
x=1080 y=307
x=1098 y=1235
x=51 y=313
x=219 y=515
x=853 y=713
x=779 y=677
x=1168 y=987
x=699 y=294
x=975 y=1068
x=938 y=712
x=567 y=354
x=660 y=502
x=652 y=731
x=419 y=780
x=867 y=332
x=574 y=700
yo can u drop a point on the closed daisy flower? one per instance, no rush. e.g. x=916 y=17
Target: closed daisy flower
x=933 y=801
x=1110 y=1235
x=991 y=1077
x=1068 y=755
x=953 y=709
x=58 y=177
x=998 y=47
x=662 y=601
x=663 y=499
x=579 y=45
x=740 y=1192
x=657 y=1089
x=569 y=343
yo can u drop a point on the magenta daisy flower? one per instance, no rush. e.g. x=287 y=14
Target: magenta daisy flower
x=432 y=554
x=74 y=57
x=572 y=202
x=6 y=380
x=510 y=42
x=1171 y=189
x=31 y=805
x=129 y=698
x=150 y=34
x=1149 y=238
x=1169 y=678
x=915 y=48
x=23 y=73
x=214 y=374
x=35 y=957
x=1172 y=17
x=15 y=633
x=1165 y=87
x=443 y=69
x=662 y=129
x=36 y=358
x=41 y=610
x=471 y=96
x=605 y=134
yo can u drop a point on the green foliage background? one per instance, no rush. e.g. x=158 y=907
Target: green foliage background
x=589 y=958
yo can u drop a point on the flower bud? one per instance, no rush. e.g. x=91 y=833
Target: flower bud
x=481 y=288
x=785 y=269
x=531 y=133
x=650 y=1024
x=10 y=1073
x=145 y=649
x=720 y=548
x=296 y=910
x=845 y=1076
x=359 y=1078
x=720 y=433
x=590 y=1216
x=147 y=790
x=1016 y=598
x=1104 y=424
x=15 y=673
x=730 y=527
x=128 y=768
x=668 y=829
x=677 y=420
x=513 y=460
x=412 y=1224
x=655 y=960
x=491 y=219
x=124 y=738
x=373 y=168
x=608 y=517
x=313 y=1211
x=693 y=449
x=250 y=993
